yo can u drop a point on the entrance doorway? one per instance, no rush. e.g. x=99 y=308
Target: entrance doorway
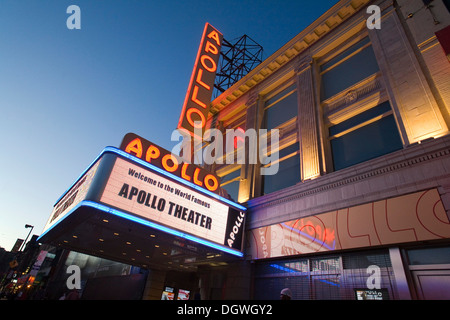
x=432 y=284
x=180 y=286
x=430 y=272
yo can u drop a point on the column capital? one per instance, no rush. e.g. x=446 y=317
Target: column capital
x=252 y=98
x=303 y=62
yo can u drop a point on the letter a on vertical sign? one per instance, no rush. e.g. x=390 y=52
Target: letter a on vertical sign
x=198 y=97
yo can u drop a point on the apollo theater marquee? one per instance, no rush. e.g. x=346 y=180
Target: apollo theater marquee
x=142 y=205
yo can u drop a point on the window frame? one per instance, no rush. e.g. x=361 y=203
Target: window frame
x=356 y=99
x=335 y=53
x=288 y=129
x=226 y=171
x=373 y=119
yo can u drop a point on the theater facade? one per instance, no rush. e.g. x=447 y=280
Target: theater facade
x=359 y=207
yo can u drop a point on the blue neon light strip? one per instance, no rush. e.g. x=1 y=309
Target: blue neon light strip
x=329 y=282
x=59 y=221
x=160 y=227
x=95 y=205
x=80 y=176
x=286 y=269
x=289 y=270
x=160 y=171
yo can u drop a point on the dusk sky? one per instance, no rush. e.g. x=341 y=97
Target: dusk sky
x=66 y=94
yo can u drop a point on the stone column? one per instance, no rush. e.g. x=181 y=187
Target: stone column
x=412 y=100
x=238 y=281
x=399 y=274
x=155 y=285
x=248 y=169
x=307 y=121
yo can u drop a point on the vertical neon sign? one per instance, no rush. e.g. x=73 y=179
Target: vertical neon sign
x=199 y=93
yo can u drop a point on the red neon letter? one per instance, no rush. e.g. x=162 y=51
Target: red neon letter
x=211 y=48
x=199 y=80
x=152 y=153
x=135 y=146
x=196 y=181
x=191 y=122
x=238 y=138
x=183 y=172
x=215 y=36
x=214 y=186
x=194 y=98
x=166 y=166
x=213 y=68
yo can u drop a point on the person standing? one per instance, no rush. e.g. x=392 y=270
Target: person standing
x=286 y=294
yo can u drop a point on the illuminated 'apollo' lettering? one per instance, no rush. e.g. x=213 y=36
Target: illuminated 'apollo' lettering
x=196 y=104
x=166 y=160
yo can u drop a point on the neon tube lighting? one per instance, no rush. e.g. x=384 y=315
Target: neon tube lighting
x=98 y=206
x=160 y=171
x=159 y=227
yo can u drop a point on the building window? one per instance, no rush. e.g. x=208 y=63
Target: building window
x=347 y=68
x=288 y=170
x=230 y=182
x=330 y=278
x=281 y=108
x=424 y=256
x=227 y=166
x=280 y=112
x=365 y=136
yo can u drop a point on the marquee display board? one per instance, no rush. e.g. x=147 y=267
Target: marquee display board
x=157 y=198
x=120 y=184
x=72 y=197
